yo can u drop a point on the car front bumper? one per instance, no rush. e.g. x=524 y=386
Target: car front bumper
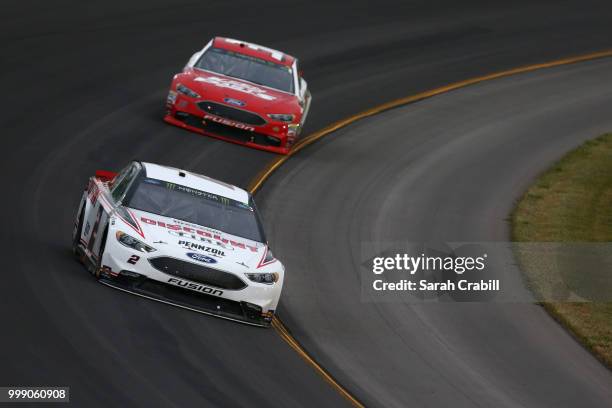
x=242 y=312
x=272 y=137
x=253 y=304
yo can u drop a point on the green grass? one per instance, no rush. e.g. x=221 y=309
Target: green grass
x=571 y=202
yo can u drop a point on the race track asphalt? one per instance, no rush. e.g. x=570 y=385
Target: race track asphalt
x=445 y=170
x=84 y=85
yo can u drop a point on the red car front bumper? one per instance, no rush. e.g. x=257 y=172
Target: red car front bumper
x=271 y=137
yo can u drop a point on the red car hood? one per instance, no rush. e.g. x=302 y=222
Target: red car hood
x=218 y=87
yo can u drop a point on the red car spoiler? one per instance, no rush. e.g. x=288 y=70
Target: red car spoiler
x=105 y=175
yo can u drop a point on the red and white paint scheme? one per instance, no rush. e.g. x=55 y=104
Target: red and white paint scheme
x=180 y=238
x=242 y=93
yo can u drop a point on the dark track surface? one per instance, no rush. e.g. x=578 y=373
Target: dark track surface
x=433 y=180
x=84 y=86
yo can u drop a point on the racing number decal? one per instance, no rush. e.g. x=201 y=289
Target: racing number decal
x=133 y=259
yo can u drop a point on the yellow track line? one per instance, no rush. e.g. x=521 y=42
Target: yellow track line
x=258 y=181
x=285 y=335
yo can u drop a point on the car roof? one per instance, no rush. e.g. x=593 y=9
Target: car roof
x=253 y=50
x=197 y=181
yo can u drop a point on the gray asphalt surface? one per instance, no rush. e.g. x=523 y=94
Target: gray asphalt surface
x=447 y=169
x=84 y=85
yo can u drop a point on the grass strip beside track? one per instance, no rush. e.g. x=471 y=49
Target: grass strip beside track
x=572 y=202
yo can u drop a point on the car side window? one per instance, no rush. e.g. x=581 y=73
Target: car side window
x=124 y=179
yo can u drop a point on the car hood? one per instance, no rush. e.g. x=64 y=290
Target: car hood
x=238 y=93
x=195 y=243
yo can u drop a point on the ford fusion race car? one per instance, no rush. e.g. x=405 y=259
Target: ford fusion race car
x=241 y=92
x=180 y=238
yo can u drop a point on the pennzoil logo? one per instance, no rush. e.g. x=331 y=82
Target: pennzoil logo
x=203 y=248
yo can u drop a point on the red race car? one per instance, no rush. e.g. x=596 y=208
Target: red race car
x=243 y=93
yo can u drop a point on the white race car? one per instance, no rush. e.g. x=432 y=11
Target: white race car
x=179 y=238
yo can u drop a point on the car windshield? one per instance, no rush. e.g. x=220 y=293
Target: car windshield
x=197 y=207
x=248 y=68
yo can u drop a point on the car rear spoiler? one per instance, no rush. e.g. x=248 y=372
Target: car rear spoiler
x=105 y=175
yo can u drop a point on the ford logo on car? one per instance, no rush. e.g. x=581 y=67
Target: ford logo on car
x=233 y=101
x=201 y=258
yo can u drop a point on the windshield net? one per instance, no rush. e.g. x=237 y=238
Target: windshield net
x=248 y=68
x=197 y=207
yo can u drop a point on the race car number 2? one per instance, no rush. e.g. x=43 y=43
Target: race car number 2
x=133 y=259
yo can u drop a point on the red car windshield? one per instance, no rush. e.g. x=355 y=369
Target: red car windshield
x=248 y=68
